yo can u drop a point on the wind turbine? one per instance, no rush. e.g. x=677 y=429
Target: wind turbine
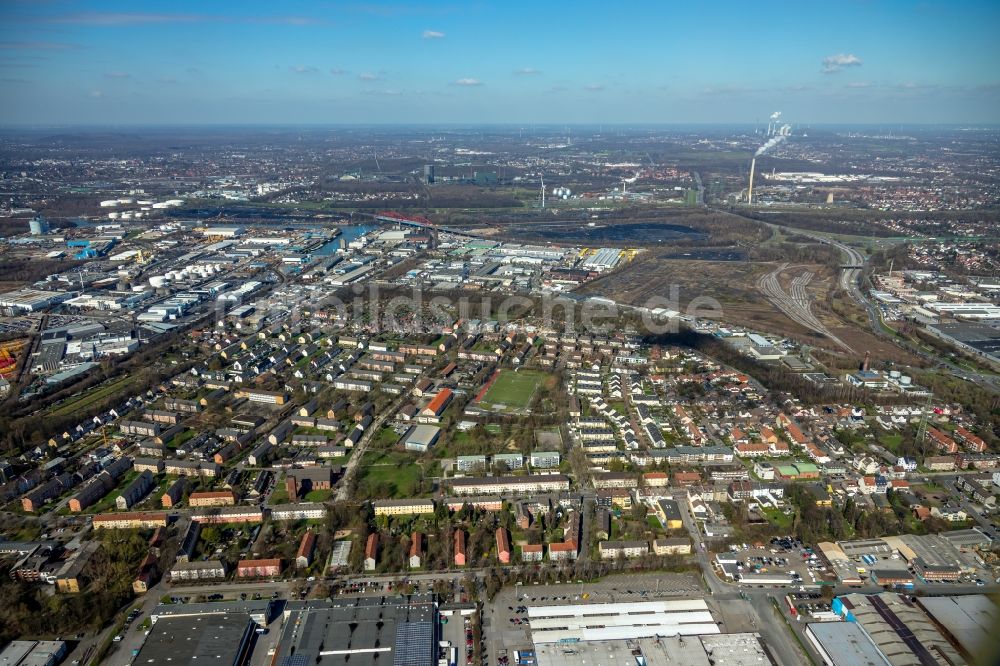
x=543 y=191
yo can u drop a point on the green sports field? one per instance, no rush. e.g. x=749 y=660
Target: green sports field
x=513 y=389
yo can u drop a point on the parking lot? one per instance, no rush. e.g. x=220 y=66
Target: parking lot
x=809 y=605
x=783 y=556
x=457 y=630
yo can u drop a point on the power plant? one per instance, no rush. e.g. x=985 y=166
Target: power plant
x=776 y=134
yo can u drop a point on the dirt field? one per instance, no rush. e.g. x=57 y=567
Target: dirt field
x=735 y=285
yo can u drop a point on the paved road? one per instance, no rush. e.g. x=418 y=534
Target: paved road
x=949 y=483
x=850 y=281
x=763 y=619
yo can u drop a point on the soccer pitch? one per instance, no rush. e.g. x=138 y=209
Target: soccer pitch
x=513 y=389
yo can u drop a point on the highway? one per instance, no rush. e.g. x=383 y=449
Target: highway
x=850 y=282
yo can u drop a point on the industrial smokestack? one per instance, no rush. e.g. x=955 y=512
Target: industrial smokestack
x=867 y=362
x=753 y=165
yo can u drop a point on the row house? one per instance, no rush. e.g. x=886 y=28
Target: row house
x=510 y=484
x=139 y=428
x=135 y=491
x=198 y=571
x=161 y=416
x=610 y=550
x=970 y=441
x=615 y=480
x=403 y=507
x=258 y=568
x=944 y=443
x=174 y=493
x=485 y=503
x=204 y=469
x=132 y=520
x=234 y=514
x=305 y=511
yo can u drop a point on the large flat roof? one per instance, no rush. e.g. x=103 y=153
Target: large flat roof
x=742 y=649
x=194 y=639
x=602 y=622
x=845 y=643
x=969 y=619
x=360 y=630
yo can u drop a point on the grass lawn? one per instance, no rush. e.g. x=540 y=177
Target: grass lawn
x=182 y=437
x=387 y=437
x=778 y=518
x=513 y=389
x=891 y=442
x=389 y=474
x=318 y=495
x=306 y=430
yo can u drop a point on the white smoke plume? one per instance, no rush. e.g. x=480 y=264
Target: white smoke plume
x=771 y=143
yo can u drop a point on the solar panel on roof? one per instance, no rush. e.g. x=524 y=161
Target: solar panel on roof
x=414 y=644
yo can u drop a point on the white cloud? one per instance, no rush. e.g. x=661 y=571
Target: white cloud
x=468 y=82
x=336 y=71
x=96 y=94
x=116 y=75
x=302 y=69
x=527 y=71
x=433 y=34
x=594 y=87
x=369 y=76
x=837 y=62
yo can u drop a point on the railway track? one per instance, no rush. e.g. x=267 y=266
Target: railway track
x=796 y=303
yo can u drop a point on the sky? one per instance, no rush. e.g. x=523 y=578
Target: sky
x=247 y=62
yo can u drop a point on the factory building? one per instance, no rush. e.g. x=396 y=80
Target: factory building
x=620 y=621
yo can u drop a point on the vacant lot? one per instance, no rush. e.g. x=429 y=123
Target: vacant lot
x=91 y=396
x=512 y=389
x=389 y=475
x=656 y=280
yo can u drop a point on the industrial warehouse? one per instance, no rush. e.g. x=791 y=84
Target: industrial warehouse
x=620 y=621
x=364 y=630
x=742 y=649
